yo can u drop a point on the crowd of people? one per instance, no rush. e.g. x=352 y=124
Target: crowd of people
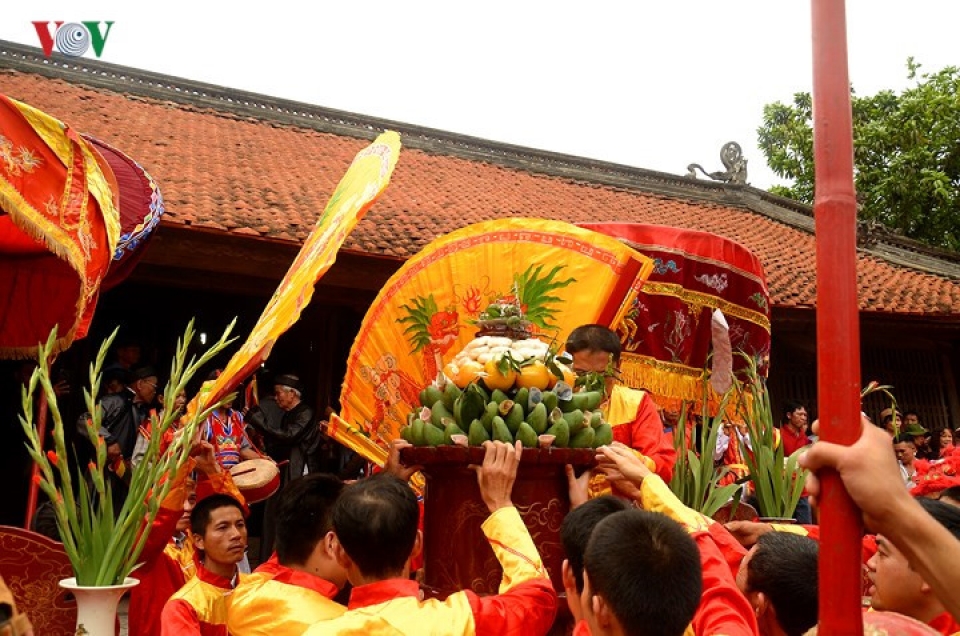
x=338 y=554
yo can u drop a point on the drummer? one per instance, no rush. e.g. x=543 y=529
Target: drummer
x=294 y=440
x=224 y=428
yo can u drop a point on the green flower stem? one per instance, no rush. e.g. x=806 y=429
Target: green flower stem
x=778 y=481
x=102 y=546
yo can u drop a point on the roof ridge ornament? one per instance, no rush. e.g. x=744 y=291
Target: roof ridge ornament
x=731 y=156
x=870 y=232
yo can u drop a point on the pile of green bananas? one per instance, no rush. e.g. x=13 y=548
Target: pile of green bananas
x=573 y=420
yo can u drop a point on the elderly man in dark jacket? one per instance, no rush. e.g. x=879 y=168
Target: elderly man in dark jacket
x=124 y=412
x=295 y=438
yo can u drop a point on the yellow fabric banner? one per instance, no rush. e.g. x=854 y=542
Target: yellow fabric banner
x=362 y=184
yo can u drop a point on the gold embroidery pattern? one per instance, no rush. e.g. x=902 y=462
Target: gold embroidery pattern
x=660 y=365
x=17 y=160
x=699 y=300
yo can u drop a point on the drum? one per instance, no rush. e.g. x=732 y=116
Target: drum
x=257 y=479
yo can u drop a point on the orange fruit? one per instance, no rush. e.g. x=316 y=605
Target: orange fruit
x=463 y=374
x=534 y=374
x=568 y=376
x=451 y=369
x=497 y=380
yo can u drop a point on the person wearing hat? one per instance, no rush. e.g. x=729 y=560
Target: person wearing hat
x=124 y=412
x=890 y=420
x=920 y=435
x=294 y=439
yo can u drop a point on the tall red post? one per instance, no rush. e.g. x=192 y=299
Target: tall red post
x=838 y=329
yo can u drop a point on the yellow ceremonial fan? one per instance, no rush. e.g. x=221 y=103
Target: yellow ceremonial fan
x=560 y=275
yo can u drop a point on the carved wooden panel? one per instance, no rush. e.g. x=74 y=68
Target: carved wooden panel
x=456 y=552
x=32 y=566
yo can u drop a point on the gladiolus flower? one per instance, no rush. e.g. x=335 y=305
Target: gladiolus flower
x=36 y=479
x=52 y=456
x=92 y=467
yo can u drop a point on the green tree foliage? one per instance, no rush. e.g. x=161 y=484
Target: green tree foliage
x=906 y=154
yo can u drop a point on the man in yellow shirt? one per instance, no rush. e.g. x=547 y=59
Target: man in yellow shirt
x=295 y=588
x=375 y=522
x=219 y=531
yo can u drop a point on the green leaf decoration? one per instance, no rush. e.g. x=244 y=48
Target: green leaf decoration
x=417 y=321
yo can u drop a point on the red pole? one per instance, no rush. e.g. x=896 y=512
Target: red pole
x=838 y=329
x=35 y=471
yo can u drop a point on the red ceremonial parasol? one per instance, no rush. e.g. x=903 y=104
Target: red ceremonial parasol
x=58 y=229
x=75 y=214
x=141 y=206
x=669 y=332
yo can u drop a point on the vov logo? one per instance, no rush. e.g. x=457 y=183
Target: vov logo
x=72 y=38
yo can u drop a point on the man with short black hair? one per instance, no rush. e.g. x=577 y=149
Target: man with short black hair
x=722 y=607
x=575 y=534
x=869 y=473
x=376 y=526
x=906 y=452
x=168 y=560
x=632 y=413
x=890 y=421
x=779 y=578
x=793 y=436
x=295 y=588
x=793 y=429
x=219 y=534
x=898 y=587
x=631 y=554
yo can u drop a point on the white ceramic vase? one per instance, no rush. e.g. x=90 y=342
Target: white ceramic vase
x=97 y=606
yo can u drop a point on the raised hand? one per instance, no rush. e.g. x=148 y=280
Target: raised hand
x=747 y=532
x=868 y=469
x=498 y=473
x=206 y=458
x=620 y=461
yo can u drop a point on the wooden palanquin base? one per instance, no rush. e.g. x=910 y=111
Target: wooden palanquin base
x=456 y=553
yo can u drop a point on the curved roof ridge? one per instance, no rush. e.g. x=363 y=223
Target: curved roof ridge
x=281 y=167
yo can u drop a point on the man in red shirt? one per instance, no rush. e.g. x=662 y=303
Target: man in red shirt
x=296 y=587
x=793 y=433
x=672 y=581
x=794 y=428
x=632 y=413
x=375 y=521
x=898 y=587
